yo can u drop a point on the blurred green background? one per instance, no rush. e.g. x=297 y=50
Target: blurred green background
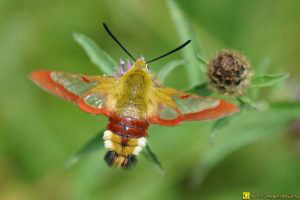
x=258 y=152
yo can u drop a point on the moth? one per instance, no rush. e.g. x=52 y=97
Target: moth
x=132 y=99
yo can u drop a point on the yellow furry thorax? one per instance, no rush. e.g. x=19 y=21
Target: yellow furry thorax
x=134 y=86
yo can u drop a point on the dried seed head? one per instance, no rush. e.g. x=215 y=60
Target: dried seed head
x=229 y=73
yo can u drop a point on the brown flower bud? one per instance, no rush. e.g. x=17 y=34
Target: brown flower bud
x=229 y=73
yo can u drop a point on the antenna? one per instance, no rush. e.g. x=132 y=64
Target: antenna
x=170 y=52
x=117 y=41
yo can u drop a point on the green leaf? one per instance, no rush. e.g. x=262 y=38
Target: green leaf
x=219 y=124
x=189 y=53
x=201 y=89
x=227 y=147
x=246 y=102
x=267 y=80
x=167 y=69
x=290 y=108
x=95 y=144
x=263 y=66
x=247 y=129
x=150 y=156
x=96 y=54
x=288 y=105
x=203 y=61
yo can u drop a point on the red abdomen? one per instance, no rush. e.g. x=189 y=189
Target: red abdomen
x=128 y=126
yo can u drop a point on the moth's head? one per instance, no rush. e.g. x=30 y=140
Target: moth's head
x=140 y=63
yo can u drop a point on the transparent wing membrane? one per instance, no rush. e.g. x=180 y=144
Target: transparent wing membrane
x=82 y=90
x=174 y=107
x=75 y=84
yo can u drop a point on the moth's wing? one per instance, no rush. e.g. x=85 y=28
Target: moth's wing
x=170 y=107
x=90 y=93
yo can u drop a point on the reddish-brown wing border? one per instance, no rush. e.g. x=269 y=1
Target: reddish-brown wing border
x=223 y=109
x=43 y=79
